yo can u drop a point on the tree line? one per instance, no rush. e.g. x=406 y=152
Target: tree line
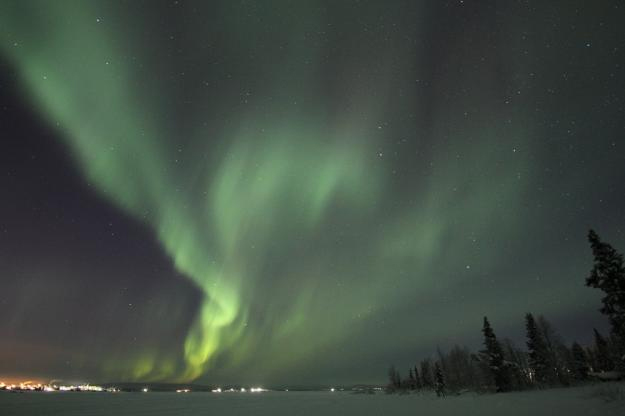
x=546 y=361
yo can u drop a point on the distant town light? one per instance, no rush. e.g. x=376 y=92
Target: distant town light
x=257 y=389
x=30 y=386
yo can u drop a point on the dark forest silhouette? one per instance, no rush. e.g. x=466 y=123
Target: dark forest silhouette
x=546 y=361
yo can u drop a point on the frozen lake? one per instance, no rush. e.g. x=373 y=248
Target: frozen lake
x=559 y=402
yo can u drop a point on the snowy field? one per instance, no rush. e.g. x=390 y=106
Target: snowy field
x=558 y=402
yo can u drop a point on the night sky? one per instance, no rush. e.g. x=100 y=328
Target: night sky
x=299 y=191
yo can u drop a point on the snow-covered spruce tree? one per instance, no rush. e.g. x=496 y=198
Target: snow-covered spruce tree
x=439 y=384
x=494 y=356
x=580 y=362
x=608 y=274
x=538 y=355
x=602 y=353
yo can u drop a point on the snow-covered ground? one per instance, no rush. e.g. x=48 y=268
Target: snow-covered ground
x=559 y=402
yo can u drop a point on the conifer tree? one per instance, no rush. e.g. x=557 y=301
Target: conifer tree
x=394 y=379
x=495 y=358
x=538 y=355
x=608 y=274
x=411 y=380
x=602 y=353
x=439 y=384
x=417 y=379
x=426 y=374
x=580 y=362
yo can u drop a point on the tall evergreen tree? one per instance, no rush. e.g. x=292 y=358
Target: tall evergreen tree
x=580 y=362
x=608 y=274
x=394 y=379
x=494 y=355
x=442 y=363
x=602 y=353
x=417 y=379
x=411 y=380
x=592 y=358
x=538 y=354
x=439 y=384
x=426 y=374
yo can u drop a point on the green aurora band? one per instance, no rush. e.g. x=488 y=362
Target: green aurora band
x=273 y=202
x=213 y=214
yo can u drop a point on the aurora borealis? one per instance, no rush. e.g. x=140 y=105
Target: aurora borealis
x=299 y=191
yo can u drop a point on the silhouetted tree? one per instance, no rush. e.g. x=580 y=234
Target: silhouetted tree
x=580 y=362
x=538 y=355
x=484 y=377
x=602 y=353
x=442 y=362
x=592 y=358
x=519 y=367
x=459 y=370
x=417 y=378
x=495 y=358
x=439 y=385
x=608 y=274
x=426 y=374
x=394 y=379
x=558 y=354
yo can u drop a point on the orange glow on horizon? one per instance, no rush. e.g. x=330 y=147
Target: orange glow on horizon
x=21 y=380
